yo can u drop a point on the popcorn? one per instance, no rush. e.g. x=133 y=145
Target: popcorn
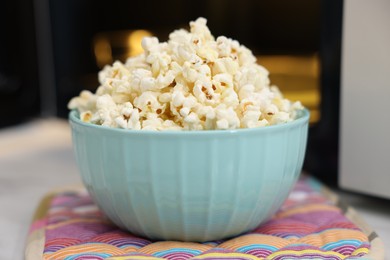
x=226 y=117
x=86 y=102
x=190 y=82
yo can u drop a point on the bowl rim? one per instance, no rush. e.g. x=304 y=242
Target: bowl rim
x=303 y=118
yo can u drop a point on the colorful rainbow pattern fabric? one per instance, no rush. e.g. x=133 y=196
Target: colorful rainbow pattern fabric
x=308 y=226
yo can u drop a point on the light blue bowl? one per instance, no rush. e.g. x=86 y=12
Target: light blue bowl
x=189 y=185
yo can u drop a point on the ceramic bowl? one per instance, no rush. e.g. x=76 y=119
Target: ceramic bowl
x=189 y=185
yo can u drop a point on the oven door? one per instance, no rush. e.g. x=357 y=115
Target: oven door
x=365 y=95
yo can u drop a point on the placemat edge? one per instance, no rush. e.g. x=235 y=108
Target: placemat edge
x=35 y=242
x=377 y=251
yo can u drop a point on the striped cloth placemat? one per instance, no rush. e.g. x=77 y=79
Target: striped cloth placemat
x=312 y=224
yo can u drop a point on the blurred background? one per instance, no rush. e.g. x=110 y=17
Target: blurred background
x=333 y=55
x=50 y=50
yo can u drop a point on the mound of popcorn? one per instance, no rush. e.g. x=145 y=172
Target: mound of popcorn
x=191 y=82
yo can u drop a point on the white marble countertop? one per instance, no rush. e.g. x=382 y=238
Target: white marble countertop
x=36 y=157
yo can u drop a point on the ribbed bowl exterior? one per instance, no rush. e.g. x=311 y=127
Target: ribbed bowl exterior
x=189 y=186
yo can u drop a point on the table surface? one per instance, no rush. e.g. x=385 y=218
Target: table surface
x=37 y=156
